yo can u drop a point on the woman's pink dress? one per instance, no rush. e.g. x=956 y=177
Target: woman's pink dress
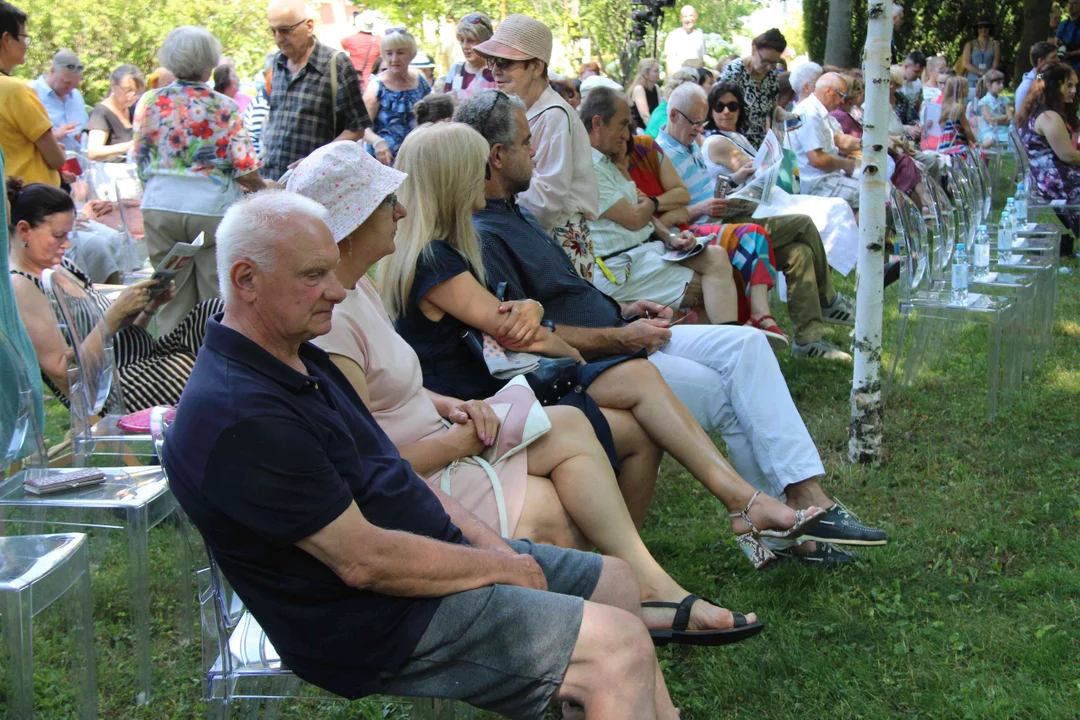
x=362 y=332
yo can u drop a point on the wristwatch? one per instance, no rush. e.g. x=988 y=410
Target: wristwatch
x=549 y=324
x=656 y=204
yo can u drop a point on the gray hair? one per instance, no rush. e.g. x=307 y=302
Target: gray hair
x=897 y=9
x=807 y=72
x=684 y=95
x=253 y=227
x=603 y=103
x=190 y=52
x=127 y=71
x=485 y=114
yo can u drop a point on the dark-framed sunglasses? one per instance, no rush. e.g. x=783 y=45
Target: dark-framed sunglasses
x=732 y=106
x=501 y=63
x=390 y=201
x=396 y=31
x=274 y=31
x=474 y=19
x=697 y=125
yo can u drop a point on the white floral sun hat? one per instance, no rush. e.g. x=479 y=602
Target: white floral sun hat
x=347 y=181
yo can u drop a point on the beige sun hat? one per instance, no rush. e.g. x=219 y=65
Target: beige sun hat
x=347 y=181
x=518 y=37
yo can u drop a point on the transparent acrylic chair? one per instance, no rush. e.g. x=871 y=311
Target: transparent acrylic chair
x=240 y=663
x=92 y=375
x=941 y=239
x=931 y=311
x=132 y=500
x=135 y=256
x=37 y=571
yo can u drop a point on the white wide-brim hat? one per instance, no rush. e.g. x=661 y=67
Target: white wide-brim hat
x=347 y=181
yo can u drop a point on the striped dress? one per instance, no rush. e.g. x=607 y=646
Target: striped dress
x=152 y=371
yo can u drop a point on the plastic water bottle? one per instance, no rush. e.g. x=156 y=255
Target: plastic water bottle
x=981 y=254
x=1006 y=229
x=960 y=274
x=1021 y=204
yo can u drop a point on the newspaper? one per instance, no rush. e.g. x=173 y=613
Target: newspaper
x=758 y=189
x=700 y=244
x=174 y=263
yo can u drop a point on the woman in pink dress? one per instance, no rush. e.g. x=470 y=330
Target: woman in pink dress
x=560 y=490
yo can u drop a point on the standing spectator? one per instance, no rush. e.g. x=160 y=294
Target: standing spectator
x=58 y=92
x=259 y=110
x=982 y=54
x=913 y=67
x=644 y=92
x=563 y=194
x=756 y=75
x=110 y=122
x=391 y=95
x=227 y=82
x=303 y=115
x=241 y=98
x=1055 y=21
x=466 y=78
x=1042 y=53
x=684 y=42
x=821 y=168
x=195 y=159
x=568 y=91
x=26 y=136
x=159 y=78
x=422 y=64
x=363 y=47
x=588 y=70
x=1068 y=34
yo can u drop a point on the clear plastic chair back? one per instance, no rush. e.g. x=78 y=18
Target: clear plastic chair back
x=89 y=338
x=20 y=433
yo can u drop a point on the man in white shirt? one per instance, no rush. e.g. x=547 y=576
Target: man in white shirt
x=821 y=168
x=684 y=43
x=58 y=93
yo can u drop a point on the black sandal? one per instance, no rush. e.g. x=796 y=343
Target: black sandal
x=679 y=634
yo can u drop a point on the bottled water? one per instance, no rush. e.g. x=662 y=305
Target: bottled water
x=1006 y=229
x=1021 y=204
x=981 y=254
x=960 y=274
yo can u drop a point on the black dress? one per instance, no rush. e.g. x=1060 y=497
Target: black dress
x=451 y=368
x=652 y=99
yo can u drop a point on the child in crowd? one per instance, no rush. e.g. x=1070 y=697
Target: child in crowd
x=994 y=109
x=956 y=131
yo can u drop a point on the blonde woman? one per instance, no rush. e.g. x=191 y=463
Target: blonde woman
x=434 y=288
x=466 y=78
x=644 y=92
x=392 y=94
x=658 y=120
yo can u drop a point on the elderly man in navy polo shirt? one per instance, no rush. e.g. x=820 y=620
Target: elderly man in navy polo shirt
x=365 y=580
x=727 y=376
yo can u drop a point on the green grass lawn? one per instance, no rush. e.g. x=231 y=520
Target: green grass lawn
x=970 y=612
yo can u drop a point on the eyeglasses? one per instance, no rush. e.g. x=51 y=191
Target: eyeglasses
x=284 y=30
x=390 y=201
x=72 y=67
x=501 y=63
x=29 y=40
x=843 y=96
x=697 y=125
x=732 y=106
x=769 y=64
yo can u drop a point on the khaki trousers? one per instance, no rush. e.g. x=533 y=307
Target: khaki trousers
x=199 y=280
x=801 y=257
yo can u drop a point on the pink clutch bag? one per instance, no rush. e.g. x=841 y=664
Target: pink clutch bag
x=139 y=422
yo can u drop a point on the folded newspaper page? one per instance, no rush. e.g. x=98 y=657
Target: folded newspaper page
x=758 y=189
x=178 y=258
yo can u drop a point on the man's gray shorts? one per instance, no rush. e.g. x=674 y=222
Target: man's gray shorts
x=504 y=648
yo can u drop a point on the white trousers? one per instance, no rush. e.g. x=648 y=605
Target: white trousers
x=729 y=379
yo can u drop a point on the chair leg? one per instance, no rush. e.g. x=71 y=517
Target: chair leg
x=85 y=637
x=993 y=368
x=18 y=634
x=890 y=378
x=216 y=709
x=139 y=580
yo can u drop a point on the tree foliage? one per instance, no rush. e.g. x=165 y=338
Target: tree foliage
x=930 y=26
x=109 y=33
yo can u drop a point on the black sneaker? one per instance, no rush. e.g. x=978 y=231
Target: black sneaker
x=841 y=527
x=826 y=556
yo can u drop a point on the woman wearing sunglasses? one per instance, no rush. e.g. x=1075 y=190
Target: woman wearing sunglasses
x=563 y=194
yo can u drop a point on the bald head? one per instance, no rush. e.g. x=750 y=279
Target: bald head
x=293 y=28
x=688 y=17
x=831 y=89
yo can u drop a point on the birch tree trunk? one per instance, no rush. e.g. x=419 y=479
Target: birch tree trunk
x=864 y=445
x=838 y=50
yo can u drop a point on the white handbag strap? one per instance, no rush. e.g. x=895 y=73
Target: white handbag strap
x=496 y=487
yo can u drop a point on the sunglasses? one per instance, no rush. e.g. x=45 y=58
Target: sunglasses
x=72 y=67
x=501 y=63
x=390 y=201
x=396 y=31
x=474 y=19
x=697 y=125
x=732 y=106
x=284 y=30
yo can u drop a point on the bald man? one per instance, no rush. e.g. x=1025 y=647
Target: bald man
x=684 y=42
x=303 y=116
x=822 y=170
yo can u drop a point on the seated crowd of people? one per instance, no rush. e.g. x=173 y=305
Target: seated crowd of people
x=348 y=440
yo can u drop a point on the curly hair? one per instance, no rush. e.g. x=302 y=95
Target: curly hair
x=1047 y=93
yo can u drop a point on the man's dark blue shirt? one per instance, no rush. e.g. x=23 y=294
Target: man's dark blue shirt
x=261 y=456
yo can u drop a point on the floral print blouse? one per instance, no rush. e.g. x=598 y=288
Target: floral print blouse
x=188 y=132
x=760 y=97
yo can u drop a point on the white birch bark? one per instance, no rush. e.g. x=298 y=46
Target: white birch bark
x=865 y=442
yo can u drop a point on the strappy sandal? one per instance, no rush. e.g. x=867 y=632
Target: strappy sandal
x=776 y=337
x=679 y=634
x=756 y=552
